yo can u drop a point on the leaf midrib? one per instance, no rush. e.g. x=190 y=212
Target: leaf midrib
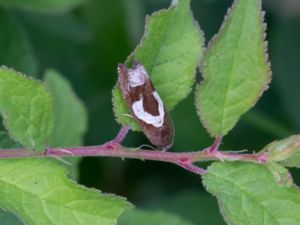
x=49 y=201
x=158 y=51
x=228 y=81
x=242 y=191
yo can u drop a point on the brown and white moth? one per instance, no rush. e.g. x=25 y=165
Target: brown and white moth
x=145 y=105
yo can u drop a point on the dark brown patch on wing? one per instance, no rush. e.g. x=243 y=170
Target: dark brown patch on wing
x=150 y=103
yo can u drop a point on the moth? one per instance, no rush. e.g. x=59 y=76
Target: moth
x=145 y=104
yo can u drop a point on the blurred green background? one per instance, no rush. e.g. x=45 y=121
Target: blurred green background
x=87 y=42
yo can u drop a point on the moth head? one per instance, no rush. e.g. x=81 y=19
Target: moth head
x=137 y=75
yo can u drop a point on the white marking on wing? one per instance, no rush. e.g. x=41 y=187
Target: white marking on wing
x=141 y=114
x=137 y=76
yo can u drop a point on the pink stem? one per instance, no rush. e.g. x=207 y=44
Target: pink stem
x=108 y=150
x=121 y=135
x=192 y=168
x=119 y=151
x=215 y=146
x=183 y=159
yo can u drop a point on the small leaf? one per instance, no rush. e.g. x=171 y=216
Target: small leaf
x=15 y=46
x=280 y=173
x=293 y=160
x=26 y=106
x=45 y=6
x=286 y=151
x=170 y=51
x=121 y=110
x=140 y=217
x=235 y=69
x=38 y=191
x=249 y=194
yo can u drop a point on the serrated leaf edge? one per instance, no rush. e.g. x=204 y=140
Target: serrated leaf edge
x=221 y=205
x=215 y=38
x=64 y=175
x=5 y=68
x=146 y=33
x=145 y=36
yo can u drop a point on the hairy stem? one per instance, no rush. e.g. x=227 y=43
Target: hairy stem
x=183 y=159
x=114 y=148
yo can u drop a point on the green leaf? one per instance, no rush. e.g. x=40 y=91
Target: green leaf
x=44 y=6
x=38 y=191
x=15 y=46
x=235 y=69
x=280 y=173
x=26 y=106
x=140 y=217
x=6 y=142
x=121 y=110
x=70 y=117
x=250 y=194
x=170 y=51
x=293 y=160
x=286 y=151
